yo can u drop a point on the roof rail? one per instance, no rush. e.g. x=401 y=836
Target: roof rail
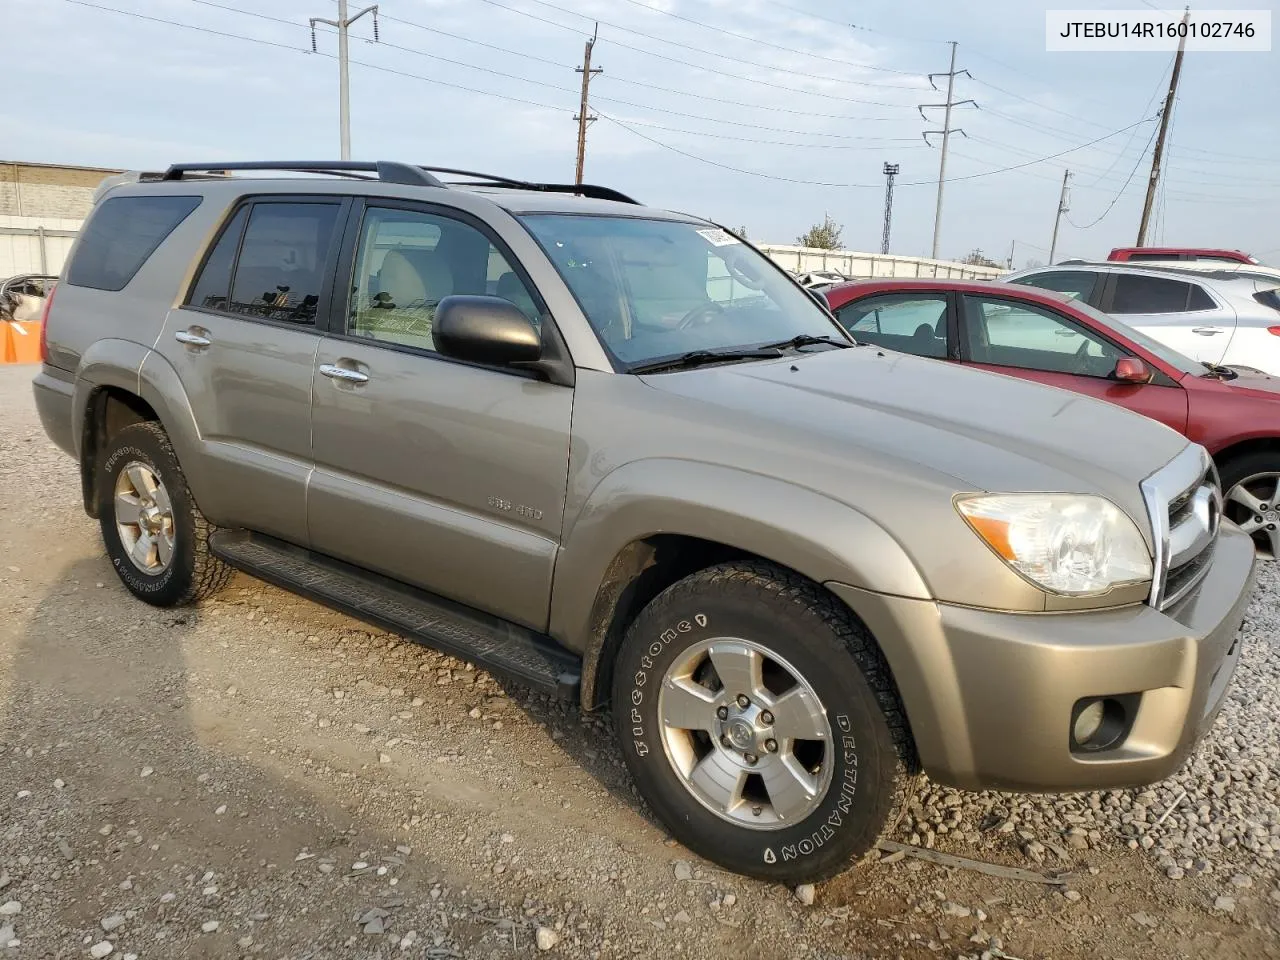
x=491 y=180
x=385 y=170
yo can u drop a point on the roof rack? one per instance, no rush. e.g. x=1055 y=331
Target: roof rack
x=388 y=171
x=590 y=190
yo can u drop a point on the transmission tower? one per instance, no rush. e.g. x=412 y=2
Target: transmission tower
x=890 y=171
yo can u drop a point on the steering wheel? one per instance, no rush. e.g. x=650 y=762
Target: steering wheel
x=1080 y=359
x=702 y=314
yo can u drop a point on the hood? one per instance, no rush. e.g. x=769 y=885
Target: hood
x=989 y=432
x=1256 y=383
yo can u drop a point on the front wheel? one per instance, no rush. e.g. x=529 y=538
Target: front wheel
x=761 y=724
x=1251 y=484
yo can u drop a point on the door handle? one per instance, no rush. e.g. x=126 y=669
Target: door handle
x=1206 y=331
x=335 y=372
x=192 y=339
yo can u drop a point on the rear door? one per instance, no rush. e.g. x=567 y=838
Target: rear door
x=447 y=475
x=244 y=344
x=1180 y=313
x=1037 y=343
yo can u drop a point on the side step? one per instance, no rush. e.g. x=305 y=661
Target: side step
x=501 y=647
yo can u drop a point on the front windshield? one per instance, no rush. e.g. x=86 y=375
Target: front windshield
x=1172 y=357
x=653 y=289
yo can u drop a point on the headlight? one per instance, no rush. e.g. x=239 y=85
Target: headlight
x=1065 y=543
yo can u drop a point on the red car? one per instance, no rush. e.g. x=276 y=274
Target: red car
x=1048 y=337
x=1138 y=254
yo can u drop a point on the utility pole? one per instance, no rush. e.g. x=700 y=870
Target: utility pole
x=946 y=132
x=1013 y=244
x=890 y=171
x=344 y=94
x=1158 y=157
x=584 y=110
x=1063 y=207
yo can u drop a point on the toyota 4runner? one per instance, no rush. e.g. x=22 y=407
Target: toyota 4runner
x=615 y=453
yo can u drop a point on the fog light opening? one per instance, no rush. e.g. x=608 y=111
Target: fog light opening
x=1098 y=723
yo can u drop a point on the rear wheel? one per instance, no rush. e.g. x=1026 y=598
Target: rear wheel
x=1252 y=487
x=154 y=533
x=761 y=724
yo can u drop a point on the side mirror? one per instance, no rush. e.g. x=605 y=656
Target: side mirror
x=485 y=330
x=1132 y=370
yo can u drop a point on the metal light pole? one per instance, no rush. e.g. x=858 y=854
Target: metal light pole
x=344 y=94
x=890 y=171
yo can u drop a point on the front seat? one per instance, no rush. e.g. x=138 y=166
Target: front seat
x=400 y=285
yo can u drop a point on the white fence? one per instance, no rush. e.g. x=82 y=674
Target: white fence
x=866 y=265
x=35 y=244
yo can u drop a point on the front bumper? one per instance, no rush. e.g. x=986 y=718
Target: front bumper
x=989 y=695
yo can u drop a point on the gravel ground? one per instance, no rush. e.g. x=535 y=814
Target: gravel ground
x=261 y=777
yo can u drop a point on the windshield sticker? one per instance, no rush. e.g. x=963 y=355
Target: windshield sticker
x=718 y=238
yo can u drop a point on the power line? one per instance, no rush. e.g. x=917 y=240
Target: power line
x=1120 y=192
x=684 y=46
x=821 y=183
x=757 y=41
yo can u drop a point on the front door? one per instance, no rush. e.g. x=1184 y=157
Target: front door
x=1026 y=340
x=447 y=475
x=244 y=344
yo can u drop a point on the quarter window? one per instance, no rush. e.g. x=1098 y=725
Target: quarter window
x=121 y=234
x=409 y=261
x=214 y=284
x=912 y=323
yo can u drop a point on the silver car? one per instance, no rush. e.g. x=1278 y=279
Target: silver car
x=1218 y=317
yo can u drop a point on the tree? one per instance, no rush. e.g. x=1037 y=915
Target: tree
x=1033 y=262
x=742 y=232
x=823 y=236
x=978 y=259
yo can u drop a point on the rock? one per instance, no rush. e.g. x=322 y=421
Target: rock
x=147 y=771
x=408 y=939
x=101 y=949
x=1175 y=873
x=7 y=934
x=1225 y=904
x=383 y=758
x=10 y=909
x=1073 y=895
x=1242 y=881
x=955 y=910
x=220 y=810
x=684 y=870
x=805 y=893
x=683 y=917
x=546 y=938
x=375 y=926
x=59 y=784
x=508 y=838
x=729 y=900
x=210 y=926
x=112 y=922
x=168 y=897
x=5 y=880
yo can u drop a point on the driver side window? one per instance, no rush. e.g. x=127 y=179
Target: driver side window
x=1012 y=334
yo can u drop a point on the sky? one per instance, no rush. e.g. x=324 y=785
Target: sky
x=766 y=114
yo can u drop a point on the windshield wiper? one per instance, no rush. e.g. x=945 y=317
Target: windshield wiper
x=696 y=358
x=1216 y=370
x=808 y=340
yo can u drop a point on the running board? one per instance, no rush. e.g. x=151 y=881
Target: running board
x=494 y=644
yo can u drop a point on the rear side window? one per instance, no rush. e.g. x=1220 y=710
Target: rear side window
x=121 y=234
x=1136 y=293
x=269 y=262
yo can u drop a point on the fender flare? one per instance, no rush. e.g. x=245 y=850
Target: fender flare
x=819 y=537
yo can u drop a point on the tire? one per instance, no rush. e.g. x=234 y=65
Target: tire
x=1260 y=474
x=184 y=571
x=861 y=776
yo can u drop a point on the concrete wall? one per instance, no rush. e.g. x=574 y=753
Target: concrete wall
x=46 y=190
x=859 y=266
x=35 y=244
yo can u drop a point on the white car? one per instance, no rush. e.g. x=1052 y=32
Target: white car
x=1221 y=317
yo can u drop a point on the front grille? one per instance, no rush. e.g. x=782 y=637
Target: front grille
x=1184 y=502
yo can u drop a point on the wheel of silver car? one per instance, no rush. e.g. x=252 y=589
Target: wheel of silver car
x=155 y=535
x=746 y=733
x=144 y=518
x=1253 y=489
x=761 y=722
